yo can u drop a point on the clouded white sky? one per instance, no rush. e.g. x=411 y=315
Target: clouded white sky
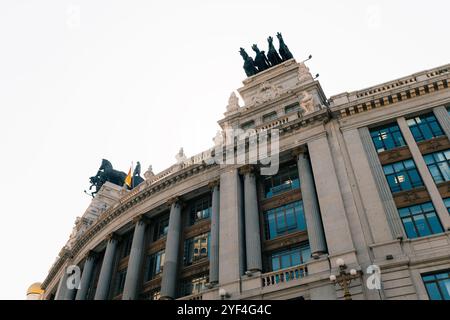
x=137 y=80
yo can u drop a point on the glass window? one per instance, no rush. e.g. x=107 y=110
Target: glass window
x=402 y=175
x=269 y=117
x=193 y=285
x=292 y=108
x=438 y=285
x=151 y=295
x=248 y=125
x=387 y=137
x=125 y=246
x=200 y=209
x=287 y=258
x=154 y=265
x=439 y=165
x=120 y=282
x=420 y=220
x=161 y=228
x=447 y=204
x=286 y=179
x=285 y=219
x=196 y=248
x=424 y=127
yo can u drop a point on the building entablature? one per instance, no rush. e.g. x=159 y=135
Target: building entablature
x=387 y=94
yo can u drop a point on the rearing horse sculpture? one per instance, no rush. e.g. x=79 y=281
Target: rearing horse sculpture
x=272 y=54
x=284 y=50
x=106 y=172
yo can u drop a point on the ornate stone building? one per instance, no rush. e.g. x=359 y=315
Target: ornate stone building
x=363 y=176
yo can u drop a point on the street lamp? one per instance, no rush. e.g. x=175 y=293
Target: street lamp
x=344 y=278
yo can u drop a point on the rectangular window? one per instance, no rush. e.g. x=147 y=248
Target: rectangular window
x=387 y=137
x=447 y=204
x=439 y=165
x=161 y=228
x=154 y=265
x=292 y=108
x=438 y=285
x=402 y=175
x=200 y=209
x=193 y=285
x=284 y=220
x=196 y=248
x=287 y=258
x=125 y=246
x=120 y=282
x=286 y=179
x=248 y=125
x=420 y=220
x=424 y=127
x=269 y=117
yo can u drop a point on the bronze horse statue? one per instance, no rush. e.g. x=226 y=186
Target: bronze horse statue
x=106 y=172
x=284 y=50
x=249 y=65
x=261 y=61
x=272 y=54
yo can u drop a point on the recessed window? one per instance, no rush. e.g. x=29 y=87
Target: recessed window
x=284 y=220
x=193 y=285
x=438 y=285
x=424 y=127
x=161 y=227
x=154 y=265
x=439 y=165
x=286 y=179
x=248 y=125
x=402 y=175
x=125 y=245
x=200 y=209
x=196 y=248
x=287 y=258
x=292 y=108
x=420 y=220
x=270 y=117
x=447 y=204
x=387 y=137
x=120 y=282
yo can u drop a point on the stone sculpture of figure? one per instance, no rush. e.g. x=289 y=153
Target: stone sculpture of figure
x=261 y=61
x=149 y=173
x=307 y=102
x=233 y=102
x=272 y=54
x=284 y=50
x=180 y=156
x=249 y=65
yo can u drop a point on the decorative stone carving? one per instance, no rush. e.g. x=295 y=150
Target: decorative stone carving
x=303 y=73
x=267 y=92
x=233 y=103
x=180 y=156
x=307 y=102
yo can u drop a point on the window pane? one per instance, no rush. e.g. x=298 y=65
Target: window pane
x=433 y=291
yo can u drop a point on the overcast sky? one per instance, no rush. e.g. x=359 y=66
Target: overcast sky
x=135 y=81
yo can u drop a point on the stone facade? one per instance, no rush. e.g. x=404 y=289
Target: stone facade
x=209 y=222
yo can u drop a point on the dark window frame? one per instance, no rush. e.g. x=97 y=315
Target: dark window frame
x=387 y=137
x=278 y=214
x=433 y=165
x=409 y=172
x=436 y=278
x=426 y=213
x=425 y=127
x=301 y=248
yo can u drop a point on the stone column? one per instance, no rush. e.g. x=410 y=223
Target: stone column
x=381 y=184
x=231 y=242
x=131 y=287
x=428 y=181
x=106 y=270
x=86 y=277
x=334 y=217
x=443 y=118
x=252 y=230
x=62 y=286
x=214 y=245
x=69 y=293
x=311 y=209
x=169 y=276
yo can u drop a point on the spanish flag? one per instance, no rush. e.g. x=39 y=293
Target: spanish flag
x=128 y=178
